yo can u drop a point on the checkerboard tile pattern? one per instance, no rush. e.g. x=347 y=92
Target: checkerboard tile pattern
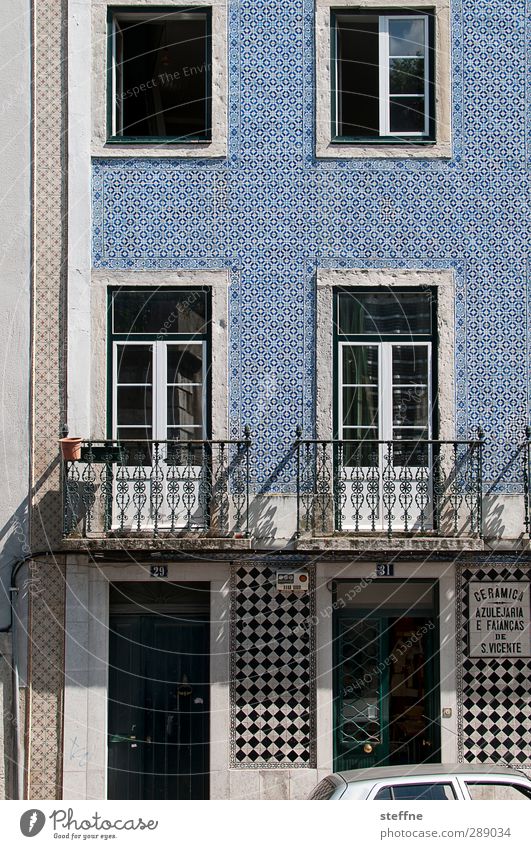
x=494 y=696
x=272 y=671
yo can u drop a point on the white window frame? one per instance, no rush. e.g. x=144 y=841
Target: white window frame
x=385 y=385
x=384 y=94
x=386 y=425
x=159 y=386
x=342 y=385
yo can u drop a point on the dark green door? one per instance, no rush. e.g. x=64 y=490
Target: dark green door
x=386 y=695
x=158 y=707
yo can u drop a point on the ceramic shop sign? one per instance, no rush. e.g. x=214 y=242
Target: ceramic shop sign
x=499 y=619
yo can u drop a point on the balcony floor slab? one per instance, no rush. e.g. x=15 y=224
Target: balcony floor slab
x=180 y=543
x=383 y=543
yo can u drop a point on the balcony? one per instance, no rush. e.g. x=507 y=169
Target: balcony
x=390 y=491
x=159 y=490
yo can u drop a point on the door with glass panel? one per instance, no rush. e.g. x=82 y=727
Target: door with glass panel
x=384 y=461
x=385 y=690
x=159 y=421
x=361 y=693
x=386 y=699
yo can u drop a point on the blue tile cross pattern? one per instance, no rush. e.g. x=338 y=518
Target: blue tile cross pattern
x=272 y=214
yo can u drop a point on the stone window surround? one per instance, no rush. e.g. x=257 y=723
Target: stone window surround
x=215 y=148
x=442 y=147
x=329 y=279
x=217 y=281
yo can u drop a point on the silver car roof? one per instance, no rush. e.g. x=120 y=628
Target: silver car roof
x=405 y=771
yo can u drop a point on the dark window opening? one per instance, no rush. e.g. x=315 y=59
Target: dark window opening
x=161 y=68
x=358 y=76
x=159 y=311
x=385 y=313
x=426 y=792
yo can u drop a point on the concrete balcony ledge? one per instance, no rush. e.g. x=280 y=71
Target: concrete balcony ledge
x=127 y=542
x=382 y=543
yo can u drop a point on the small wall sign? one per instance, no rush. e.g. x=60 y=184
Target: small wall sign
x=158 y=571
x=499 y=619
x=385 y=570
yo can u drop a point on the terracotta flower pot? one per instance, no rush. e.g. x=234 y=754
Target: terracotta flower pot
x=71 y=447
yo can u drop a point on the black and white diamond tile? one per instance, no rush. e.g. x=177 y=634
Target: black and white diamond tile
x=272 y=670
x=494 y=695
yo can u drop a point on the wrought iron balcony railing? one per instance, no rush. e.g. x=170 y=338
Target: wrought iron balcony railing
x=407 y=487
x=158 y=488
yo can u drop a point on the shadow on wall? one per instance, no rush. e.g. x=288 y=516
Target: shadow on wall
x=14 y=546
x=504 y=514
x=8 y=727
x=273 y=516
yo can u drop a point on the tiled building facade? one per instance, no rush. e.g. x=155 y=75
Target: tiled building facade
x=269 y=233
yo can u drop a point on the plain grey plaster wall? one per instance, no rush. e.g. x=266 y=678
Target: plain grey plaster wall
x=15 y=276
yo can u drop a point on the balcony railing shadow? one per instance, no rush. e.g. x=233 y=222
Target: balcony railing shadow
x=158 y=488
x=527 y=480
x=396 y=488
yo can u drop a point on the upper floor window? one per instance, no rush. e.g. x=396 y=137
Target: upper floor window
x=384 y=360
x=383 y=79
x=383 y=76
x=160 y=74
x=160 y=364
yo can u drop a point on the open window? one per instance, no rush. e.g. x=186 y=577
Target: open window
x=383 y=79
x=383 y=76
x=160 y=75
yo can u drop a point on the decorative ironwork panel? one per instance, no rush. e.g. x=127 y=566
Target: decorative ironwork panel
x=360 y=686
x=161 y=487
x=407 y=487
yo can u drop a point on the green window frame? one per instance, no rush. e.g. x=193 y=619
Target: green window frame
x=153 y=86
x=342 y=339
x=383 y=20
x=162 y=344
